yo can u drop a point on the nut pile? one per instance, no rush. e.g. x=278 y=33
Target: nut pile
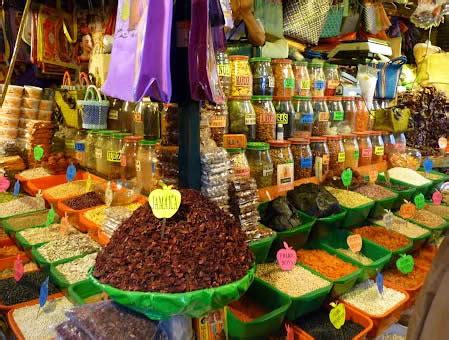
x=405 y=281
x=85 y=201
x=349 y=199
x=404 y=227
x=37 y=236
x=200 y=247
x=74 y=188
x=18 y=223
x=77 y=270
x=98 y=215
x=428 y=219
x=365 y=297
x=115 y=216
x=21 y=206
x=35 y=173
x=296 y=282
x=388 y=239
x=359 y=257
x=70 y=246
x=440 y=210
x=375 y=192
x=8 y=251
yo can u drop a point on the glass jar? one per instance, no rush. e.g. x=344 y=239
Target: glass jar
x=362 y=117
x=317 y=79
x=337 y=155
x=303 y=117
x=263 y=78
x=146 y=166
x=283 y=168
x=337 y=116
x=218 y=123
x=241 y=77
x=90 y=150
x=102 y=166
x=320 y=152
x=147 y=119
x=260 y=164
x=321 y=122
x=242 y=117
x=127 y=114
x=302 y=79
x=80 y=147
x=303 y=158
x=332 y=79
x=389 y=143
x=350 y=109
x=239 y=163
x=284 y=79
x=285 y=115
x=128 y=156
x=401 y=142
x=365 y=147
x=265 y=118
x=113 y=155
x=352 y=154
x=224 y=71
x=378 y=147
x=114 y=123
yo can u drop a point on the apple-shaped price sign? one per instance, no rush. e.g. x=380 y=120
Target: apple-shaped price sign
x=380 y=283
x=70 y=173
x=437 y=198
x=50 y=217
x=164 y=202
x=286 y=257
x=18 y=268
x=388 y=219
x=4 y=183
x=405 y=264
x=354 y=242
x=38 y=152
x=420 y=201
x=346 y=177
x=373 y=176
x=337 y=315
x=407 y=210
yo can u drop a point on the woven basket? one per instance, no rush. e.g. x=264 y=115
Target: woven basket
x=333 y=23
x=93 y=109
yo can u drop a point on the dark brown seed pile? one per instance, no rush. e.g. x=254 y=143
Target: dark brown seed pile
x=201 y=247
x=85 y=201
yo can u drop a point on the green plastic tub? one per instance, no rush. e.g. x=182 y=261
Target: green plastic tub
x=58 y=278
x=407 y=194
x=325 y=226
x=6 y=223
x=43 y=263
x=435 y=232
x=380 y=256
x=381 y=205
x=261 y=248
x=4 y=218
x=356 y=216
x=25 y=244
x=267 y=324
x=443 y=177
x=421 y=189
x=81 y=291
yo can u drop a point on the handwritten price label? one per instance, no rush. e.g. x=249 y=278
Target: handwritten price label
x=354 y=243
x=407 y=210
x=286 y=257
x=337 y=315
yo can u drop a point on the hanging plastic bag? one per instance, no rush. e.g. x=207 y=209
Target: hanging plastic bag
x=140 y=61
x=367 y=77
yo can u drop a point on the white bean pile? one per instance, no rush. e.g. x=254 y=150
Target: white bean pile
x=76 y=270
x=35 y=173
x=404 y=227
x=21 y=206
x=46 y=234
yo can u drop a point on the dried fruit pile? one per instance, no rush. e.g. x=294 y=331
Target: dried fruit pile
x=388 y=239
x=85 y=201
x=405 y=281
x=200 y=247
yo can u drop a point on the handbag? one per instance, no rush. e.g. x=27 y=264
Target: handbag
x=333 y=22
x=304 y=19
x=93 y=109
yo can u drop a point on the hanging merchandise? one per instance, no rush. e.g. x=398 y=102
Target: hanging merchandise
x=375 y=17
x=429 y=14
x=333 y=21
x=367 y=77
x=269 y=12
x=388 y=77
x=94 y=109
x=140 y=60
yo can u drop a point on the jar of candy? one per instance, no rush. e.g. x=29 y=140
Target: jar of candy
x=263 y=78
x=80 y=147
x=224 y=71
x=321 y=122
x=90 y=149
x=352 y=153
x=302 y=78
x=365 y=147
x=284 y=79
x=303 y=117
x=337 y=116
x=317 y=79
x=378 y=147
x=350 y=111
x=303 y=158
x=332 y=79
x=362 y=117
x=337 y=155
x=128 y=156
x=285 y=115
x=242 y=117
x=265 y=118
x=241 y=77
x=321 y=156
x=283 y=169
x=260 y=164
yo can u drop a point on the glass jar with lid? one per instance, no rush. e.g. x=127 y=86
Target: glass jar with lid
x=224 y=71
x=128 y=156
x=321 y=156
x=114 y=123
x=260 y=164
x=283 y=168
x=337 y=116
x=147 y=166
x=239 y=163
x=284 y=79
x=285 y=115
x=127 y=114
x=265 y=118
x=303 y=117
x=303 y=158
x=90 y=150
x=350 y=109
x=378 y=147
x=80 y=147
x=352 y=153
x=362 y=117
x=389 y=143
x=321 y=122
x=151 y=119
x=101 y=145
x=365 y=147
x=218 y=123
x=337 y=155
x=401 y=142
x=241 y=77
x=317 y=79
x=263 y=78
x=302 y=78
x=332 y=79
x=114 y=152
x=242 y=117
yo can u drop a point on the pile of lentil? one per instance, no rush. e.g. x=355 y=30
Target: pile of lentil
x=440 y=210
x=391 y=186
x=28 y=288
x=375 y=192
x=8 y=251
x=74 y=188
x=85 y=201
x=37 y=236
x=9 y=272
x=366 y=297
x=70 y=246
x=247 y=309
x=405 y=281
x=98 y=215
x=35 y=173
x=318 y=325
x=326 y=264
x=6 y=197
x=359 y=257
x=296 y=282
x=428 y=219
x=349 y=199
x=388 y=239
x=404 y=227
x=77 y=270
x=18 y=223
x=20 y=206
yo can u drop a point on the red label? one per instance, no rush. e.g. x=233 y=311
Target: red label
x=267 y=118
x=366 y=153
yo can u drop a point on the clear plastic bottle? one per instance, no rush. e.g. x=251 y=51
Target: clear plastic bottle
x=317 y=79
x=321 y=117
x=401 y=142
x=302 y=78
x=350 y=109
x=100 y=153
x=114 y=154
x=332 y=79
x=303 y=117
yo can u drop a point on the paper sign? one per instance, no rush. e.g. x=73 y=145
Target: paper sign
x=18 y=269
x=346 y=177
x=373 y=176
x=38 y=152
x=50 y=217
x=4 y=183
x=286 y=258
x=319 y=168
x=442 y=142
x=428 y=165
x=41 y=200
x=70 y=173
x=380 y=283
x=65 y=225
x=420 y=201
x=354 y=243
x=164 y=202
x=88 y=183
x=337 y=315
x=108 y=195
x=16 y=188
x=43 y=294
x=407 y=210
x=388 y=219
x=405 y=264
x=437 y=198
x=234 y=141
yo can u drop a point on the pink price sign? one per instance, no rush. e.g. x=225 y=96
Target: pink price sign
x=286 y=257
x=437 y=198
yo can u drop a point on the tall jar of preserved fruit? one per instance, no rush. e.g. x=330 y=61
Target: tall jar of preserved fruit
x=401 y=142
x=285 y=115
x=337 y=155
x=332 y=79
x=378 y=147
x=389 y=143
x=101 y=162
x=260 y=164
x=241 y=77
x=147 y=166
x=365 y=147
x=263 y=78
x=129 y=156
x=303 y=117
x=224 y=71
x=352 y=153
x=114 y=154
x=127 y=113
x=239 y=163
x=114 y=122
x=242 y=117
x=317 y=79
x=80 y=147
x=321 y=116
x=321 y=156
x=284 y=79
x=350 y=109
x=283 y=167
x=362 y=117
x=90 y=150
x=337 y=116
x=265 y=118
x=303 y=158
x=302 y=79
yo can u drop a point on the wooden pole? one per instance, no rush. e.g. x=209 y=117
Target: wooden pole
x=16 y=51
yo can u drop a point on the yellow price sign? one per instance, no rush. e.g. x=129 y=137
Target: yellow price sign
x=164 y=202
x=337 y=315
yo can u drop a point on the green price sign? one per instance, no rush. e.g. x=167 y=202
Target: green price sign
x=38 y=152
x=419 y=201
x=346 y=177
x=405 y=264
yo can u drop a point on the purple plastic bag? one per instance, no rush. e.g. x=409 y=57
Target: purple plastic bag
x=140 y=60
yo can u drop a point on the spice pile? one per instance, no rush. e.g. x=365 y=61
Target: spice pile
x=392 y=186
x=74 y=188
x=428 y=219
x=424 y=256
x=200 y=247
x=349 y=199
x=404 y=227
x=326 y=264
x=405 y=281
x=8 y=251
x=98 y=215
x=18 y=223
x=388 y=239
x=440 y=210
x=77 y=270
x=359 y=257
x=85 y=201
x=431 y=176
x=35 y=173
x=375 y=192
x=296 y=282
x=408 y=176
x=20 y=206
x=37 y=236
x=247 y=309
x=9 y=272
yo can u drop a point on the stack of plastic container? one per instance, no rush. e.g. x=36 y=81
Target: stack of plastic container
x=10 y=113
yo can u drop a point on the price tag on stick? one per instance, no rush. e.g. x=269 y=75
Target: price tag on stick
x=43 y=295
x=405 y=264
x=380 y=283
x=346 y=177
x=337 y=315
x=354 y=243
x=18 y=268
x=4 y=183
x=16 y=188
x=420 y=201
x=38 y=152
x=407 y=210
x=50 y=217
x=388 y=219
x=437 y=198
x=286 y=258
x=71 y=173
x=428 y=165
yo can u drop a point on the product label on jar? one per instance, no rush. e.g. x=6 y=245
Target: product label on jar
x=241 y=171
x=137 y=116
x=267 y=118
x=138 y=167
x=379 y=150
x=113 y=114
x=113 y=156
x=123 y=160
x=250 y=118
x=356 y=155
x=98 y=153
x=323 y=116
x=271 y=82
x=224 y=70
x=217 y=122
x=366 y=153
x=304 y=84
x=70 y=144
x=289 y=83
x=318 y=84
x=282 y=118
x=338 y=115
x=80 y=147
x=341 y=157
x=306 y=118
x=243 y=81
x=332 y=84
x=325 y=159
x=285 y=176
x=306 y=163
x=267 y=171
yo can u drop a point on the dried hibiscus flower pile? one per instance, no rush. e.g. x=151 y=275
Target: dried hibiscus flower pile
x=200 y=247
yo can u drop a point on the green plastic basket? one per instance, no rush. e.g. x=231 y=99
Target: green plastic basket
x=421 y=189
x=59 y=278
x=25 y=244
x=407 y=194
x=81 y=291
x=261 y=248
x=10 y=229
x=17 y=215
x=380 y=256
x=43 y=263
x=443 y=177
x=265 y=325
x=382 y=204
x=356 y=216
x=435 y=232
x=325 y=226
